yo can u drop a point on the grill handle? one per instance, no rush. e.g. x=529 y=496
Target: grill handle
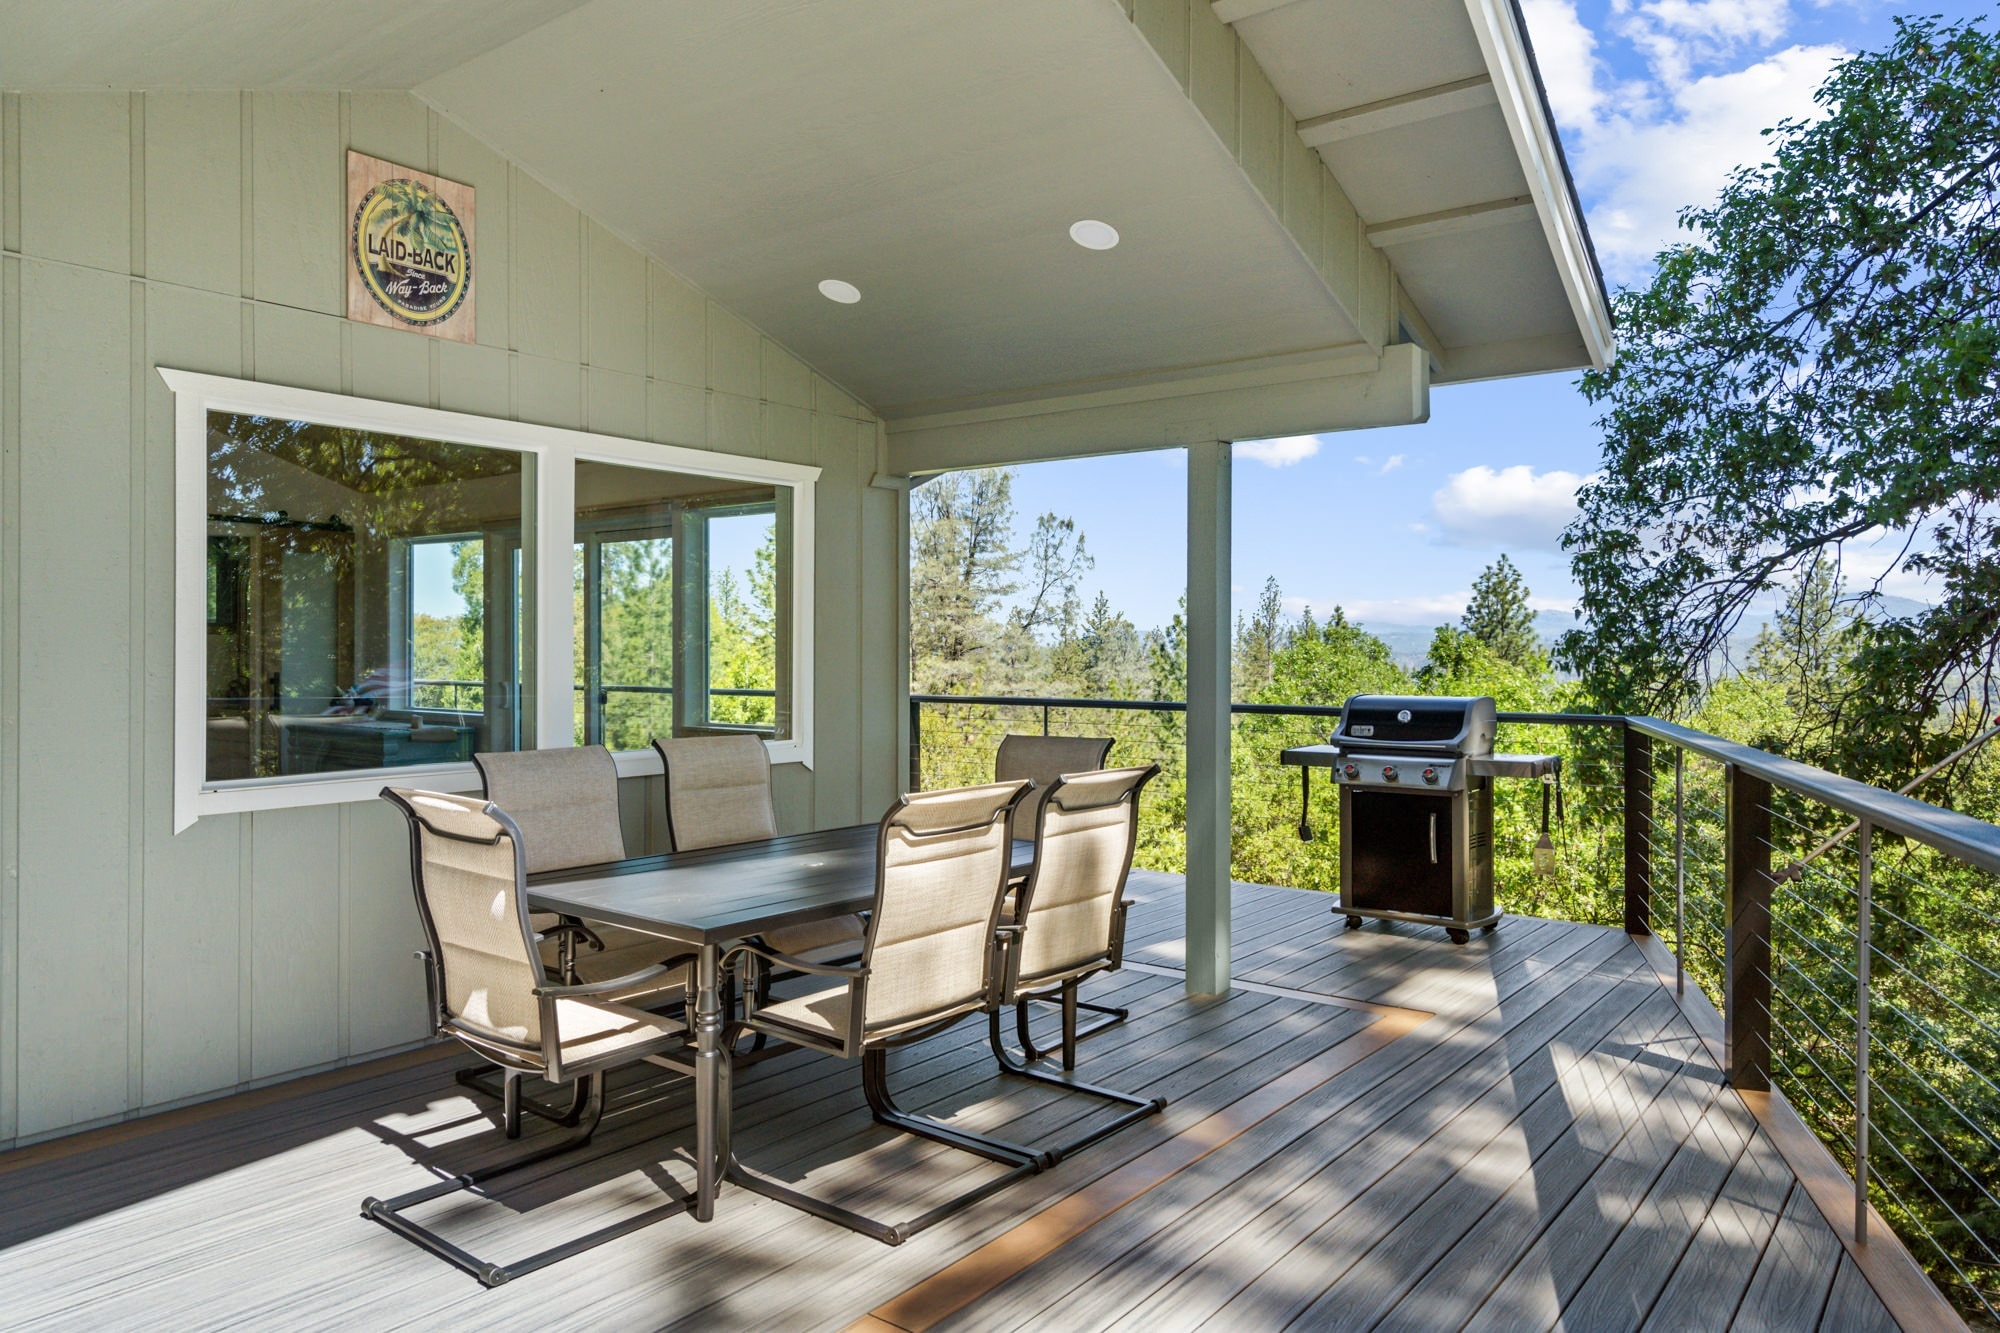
x=1434 y=838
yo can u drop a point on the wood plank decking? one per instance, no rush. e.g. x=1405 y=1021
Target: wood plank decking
x=1377 y=1130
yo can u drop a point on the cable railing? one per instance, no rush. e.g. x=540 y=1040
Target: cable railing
x=1839 y=930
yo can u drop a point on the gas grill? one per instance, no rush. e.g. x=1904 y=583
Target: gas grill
x=1416 y=808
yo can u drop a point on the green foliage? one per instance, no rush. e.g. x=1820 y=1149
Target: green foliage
x=1821 y=362
x=743 y=641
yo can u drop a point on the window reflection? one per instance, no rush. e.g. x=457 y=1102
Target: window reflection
x=682 y=597
x=366 y=599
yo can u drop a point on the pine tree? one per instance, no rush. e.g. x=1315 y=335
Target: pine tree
x=962 y=562
x=1499 y=616
x=1257 y=641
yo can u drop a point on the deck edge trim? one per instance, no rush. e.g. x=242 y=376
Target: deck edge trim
x=1899 y=1282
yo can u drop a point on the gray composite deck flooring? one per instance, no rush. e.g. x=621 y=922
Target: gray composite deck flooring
x=1554 y=1148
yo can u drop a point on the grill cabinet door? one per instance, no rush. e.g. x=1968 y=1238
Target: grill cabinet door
x=1388 y=837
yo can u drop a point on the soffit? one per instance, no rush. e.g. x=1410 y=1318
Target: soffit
x=934 y=155
x=1480 y=283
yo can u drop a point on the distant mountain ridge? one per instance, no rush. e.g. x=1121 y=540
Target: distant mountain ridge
x=1409 y=644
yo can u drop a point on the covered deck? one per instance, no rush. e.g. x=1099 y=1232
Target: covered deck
x=1370 y=1129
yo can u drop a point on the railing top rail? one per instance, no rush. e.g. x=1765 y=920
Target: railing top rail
x=1275 y=710
x=1971 y=840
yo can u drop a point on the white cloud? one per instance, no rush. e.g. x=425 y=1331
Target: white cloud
x=1566 y=51
x=1283 y=452
x=1675 y=35
x=1645 y=148
x=1641 y=172
x=1389 y=464
x=1515 y=506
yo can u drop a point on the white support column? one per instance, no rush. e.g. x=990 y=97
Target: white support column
x=1208 y=644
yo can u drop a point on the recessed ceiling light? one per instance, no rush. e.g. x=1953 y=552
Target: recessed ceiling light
x=1093 y=235
x=833 y=289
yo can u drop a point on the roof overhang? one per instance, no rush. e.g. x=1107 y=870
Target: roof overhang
x=1301 y=186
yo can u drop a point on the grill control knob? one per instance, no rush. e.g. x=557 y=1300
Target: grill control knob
x=1431 y=776
x=1388 y=772
x=1352 y=771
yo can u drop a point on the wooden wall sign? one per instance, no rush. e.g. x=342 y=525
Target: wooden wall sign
x=409 y=249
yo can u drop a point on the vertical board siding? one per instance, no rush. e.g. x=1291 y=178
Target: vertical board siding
x=76 y=660
x=76 y=178
x=385 y=983
x=203 y=231
x=299 y=179
x=293 y=953
x=194 y=181
x=191 y=951
x=547 y=241
x=837 y=628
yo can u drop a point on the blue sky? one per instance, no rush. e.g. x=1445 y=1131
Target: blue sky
x=1656 y=100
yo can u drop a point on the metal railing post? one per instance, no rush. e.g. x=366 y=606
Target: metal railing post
x=916 y=745
x=1680 y=872
x=1746 y=939
x=1045 y=719
x=1863 y=930
x=1638 y=833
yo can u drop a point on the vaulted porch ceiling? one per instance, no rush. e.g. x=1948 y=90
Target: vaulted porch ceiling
x=935 y=155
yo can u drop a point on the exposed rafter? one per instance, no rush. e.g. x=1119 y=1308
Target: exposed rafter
x=1392 y=112
x=1451 y=222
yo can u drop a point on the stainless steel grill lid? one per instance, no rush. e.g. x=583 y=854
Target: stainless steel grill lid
x=1387 y=723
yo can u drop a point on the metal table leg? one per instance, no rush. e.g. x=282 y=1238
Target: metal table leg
x=711 y=1083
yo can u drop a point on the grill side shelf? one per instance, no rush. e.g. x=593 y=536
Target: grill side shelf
x=1516 y=766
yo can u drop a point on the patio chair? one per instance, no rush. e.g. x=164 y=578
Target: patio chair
x=719 y=793
x=565 y=802
x=929 y=961
x=1043 y=760
x=1069 y=924
x=489 y=990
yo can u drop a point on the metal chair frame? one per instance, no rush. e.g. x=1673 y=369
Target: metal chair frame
x=517 y=1059
x=855 y=1042
x=1064 y=993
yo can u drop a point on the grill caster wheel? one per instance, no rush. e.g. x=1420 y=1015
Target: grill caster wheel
x=1354 y=923
x=1458 y=936
x=1489 y=928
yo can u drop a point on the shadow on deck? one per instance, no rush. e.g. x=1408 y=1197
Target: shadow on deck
x=1376 y=1129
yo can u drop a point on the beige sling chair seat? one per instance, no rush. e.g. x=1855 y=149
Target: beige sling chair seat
x=490 y=991
x=565 y=802
x=1069 y=923
x=932 y=957
x=719 y=794
x=1043 y=760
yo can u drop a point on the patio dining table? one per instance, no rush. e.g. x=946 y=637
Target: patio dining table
x=709 y=900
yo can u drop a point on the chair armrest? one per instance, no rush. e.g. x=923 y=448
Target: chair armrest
x=638 y=978
x=1118 y=911
x=1007 y=968
x=851 y=970
x=429 y=961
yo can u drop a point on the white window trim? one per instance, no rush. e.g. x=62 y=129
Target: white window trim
x=556 y=451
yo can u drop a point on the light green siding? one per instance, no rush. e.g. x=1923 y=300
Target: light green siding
x=139 y=969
